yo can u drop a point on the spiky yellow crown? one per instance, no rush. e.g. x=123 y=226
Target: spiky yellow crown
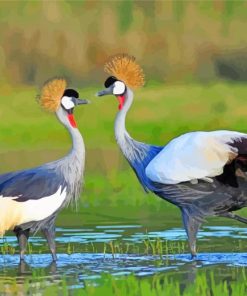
x=51 y=94
x=125 y=68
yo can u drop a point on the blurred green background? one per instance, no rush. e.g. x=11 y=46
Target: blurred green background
x=173 y=40
x=194 y=55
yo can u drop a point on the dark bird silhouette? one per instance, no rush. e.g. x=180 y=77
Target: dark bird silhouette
x=31 y=199
x=203 y=173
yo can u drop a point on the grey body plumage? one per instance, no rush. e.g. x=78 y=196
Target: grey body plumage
x=44 y=181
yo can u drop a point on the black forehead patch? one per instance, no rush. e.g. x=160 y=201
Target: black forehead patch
x=69 y=92
x=109 y=81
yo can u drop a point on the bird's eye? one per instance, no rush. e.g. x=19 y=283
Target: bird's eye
x=67 y=103
x=119 y=88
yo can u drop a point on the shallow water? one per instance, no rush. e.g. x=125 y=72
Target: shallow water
x=131 y=233
x=85 y=253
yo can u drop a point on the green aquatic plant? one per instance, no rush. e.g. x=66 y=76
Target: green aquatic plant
x=6 y=248
x=204 y=284
x=148 y=246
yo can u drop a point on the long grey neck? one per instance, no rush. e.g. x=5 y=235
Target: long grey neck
x=138 y=154
x=72 y=165
x=78 y=147
x=120 y=130
x=77 y=151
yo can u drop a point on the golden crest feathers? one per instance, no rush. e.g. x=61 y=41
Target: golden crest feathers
x=51 y=94
x=125 y=68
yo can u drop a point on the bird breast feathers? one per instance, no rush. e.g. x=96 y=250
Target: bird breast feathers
x=13 y=213
x=195 y=155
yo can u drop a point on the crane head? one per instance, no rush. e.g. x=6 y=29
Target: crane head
x=56 y=96
x=114 y=87
x=126 y=73
x=69 y=101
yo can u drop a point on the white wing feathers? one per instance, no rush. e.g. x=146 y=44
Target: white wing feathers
x=192 y=156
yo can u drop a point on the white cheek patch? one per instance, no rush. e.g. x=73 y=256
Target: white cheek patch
x=67 y=103
x=119 y=88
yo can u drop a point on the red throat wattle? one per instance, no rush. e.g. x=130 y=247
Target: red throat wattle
x=72 y=120
x=121 y=102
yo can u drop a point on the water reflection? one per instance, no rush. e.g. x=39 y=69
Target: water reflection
x=96 y=263
x=87 y=265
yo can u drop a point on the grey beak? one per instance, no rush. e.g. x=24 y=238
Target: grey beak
x=81 y=101
x=104 y=92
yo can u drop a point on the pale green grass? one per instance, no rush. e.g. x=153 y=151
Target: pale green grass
x=204 y=283
x=159 y=113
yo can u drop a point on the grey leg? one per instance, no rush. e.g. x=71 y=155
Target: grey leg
x=191 y=225
x=23 y=267
x=50 y=237
x=22 y=236
x=234 y=216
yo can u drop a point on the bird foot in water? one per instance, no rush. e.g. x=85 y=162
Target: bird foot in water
x=54 y=257
x=193 y=257
x=22 y=258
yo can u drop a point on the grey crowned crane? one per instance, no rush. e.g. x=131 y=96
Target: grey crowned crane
x=203 y=173
x=31 y=199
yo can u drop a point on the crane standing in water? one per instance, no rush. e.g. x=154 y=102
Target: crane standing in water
x=31 y=199
x=203 y=173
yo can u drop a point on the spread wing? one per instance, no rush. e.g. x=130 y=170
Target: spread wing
x=30 y=184
x=196 y=155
